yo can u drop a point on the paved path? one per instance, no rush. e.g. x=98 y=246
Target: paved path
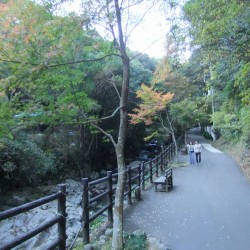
x=208 y=209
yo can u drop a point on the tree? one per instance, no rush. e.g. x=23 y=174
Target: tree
x=47 y=56
x=153 y=108
x=220 y=30
x=117 y=15
x=188 y=113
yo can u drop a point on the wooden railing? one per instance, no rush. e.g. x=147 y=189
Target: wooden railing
x=137 y=177
x=60 y=219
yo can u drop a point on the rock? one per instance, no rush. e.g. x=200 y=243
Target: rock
x=139 y=233
x=88 y=247
x=16 y=201
x=109 y=232
x=103 y=237
x=94 y=175
x=73 y=185
x=15 y=226
x=155 y=244
x=46 y=206
x=103 y=172
x=101 y=185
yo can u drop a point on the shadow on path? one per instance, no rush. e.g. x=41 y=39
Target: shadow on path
x=208 y=208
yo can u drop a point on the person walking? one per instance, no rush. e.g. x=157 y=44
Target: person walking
x=197 y=151
x=190 y=148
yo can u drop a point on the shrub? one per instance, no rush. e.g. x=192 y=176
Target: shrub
x=23 y=163
x=135 y=241
x=207 y=135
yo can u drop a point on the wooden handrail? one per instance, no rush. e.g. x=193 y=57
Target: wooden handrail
x=60 y=219
x=136 y=178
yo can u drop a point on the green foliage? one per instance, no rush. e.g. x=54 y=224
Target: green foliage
x=23 y=163
x=33 y=47
x=207 y=135
x=188 y=113
x=135 y=241
x=132 y=241
x=50 y=79
x=244 y=120
x=142 y=69
x=95 y=224
x=228 y=124
x=220 y=31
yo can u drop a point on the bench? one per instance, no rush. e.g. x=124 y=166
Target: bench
x=166 y=181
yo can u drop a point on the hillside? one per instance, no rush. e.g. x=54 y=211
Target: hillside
x=239 y=151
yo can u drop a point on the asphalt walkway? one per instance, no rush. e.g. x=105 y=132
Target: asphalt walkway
x=208 y=208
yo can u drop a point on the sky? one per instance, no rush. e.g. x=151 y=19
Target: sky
x=148 y=37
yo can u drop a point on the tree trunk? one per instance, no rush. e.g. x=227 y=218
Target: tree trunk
x=176 y=147
x=185 y=137
x=117 y=241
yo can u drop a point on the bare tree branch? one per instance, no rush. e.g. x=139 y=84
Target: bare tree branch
x=113 y=83
x=140 y=20
x=144 y=51
x=105 y=133
x=163 y=125
x=60 y=64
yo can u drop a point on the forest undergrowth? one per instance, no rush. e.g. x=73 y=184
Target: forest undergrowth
x=238 y=150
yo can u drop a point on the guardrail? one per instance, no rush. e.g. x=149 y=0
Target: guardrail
x=60 y=219
x=135 y=182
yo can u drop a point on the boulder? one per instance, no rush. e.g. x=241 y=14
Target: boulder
x=94 y=175
x=155 y=244
x=109 y=232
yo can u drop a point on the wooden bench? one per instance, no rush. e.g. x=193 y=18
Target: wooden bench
x=166 y=181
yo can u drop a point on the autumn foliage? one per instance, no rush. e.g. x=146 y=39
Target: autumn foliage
x=152 y=103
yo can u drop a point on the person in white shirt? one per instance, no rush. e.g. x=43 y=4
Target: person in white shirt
x=190 y=148
x=197 y=151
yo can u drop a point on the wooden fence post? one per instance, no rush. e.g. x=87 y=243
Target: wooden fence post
x=61 y=209
x=143 y=175
x=85 y=210
x=161 y=157
x=169 y=153
x=157 y=166
x=138 y=188
x=129 y=185
x=109 y=198
x=151 y=171
x=165 y=158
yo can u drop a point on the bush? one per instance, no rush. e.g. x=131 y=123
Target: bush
x=23 y=163
x=207 y=135
x=135 y=241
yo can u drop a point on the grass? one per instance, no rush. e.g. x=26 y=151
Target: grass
x=132 y=241
x=135 y=241
x=175 y=164
x=96 y=223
